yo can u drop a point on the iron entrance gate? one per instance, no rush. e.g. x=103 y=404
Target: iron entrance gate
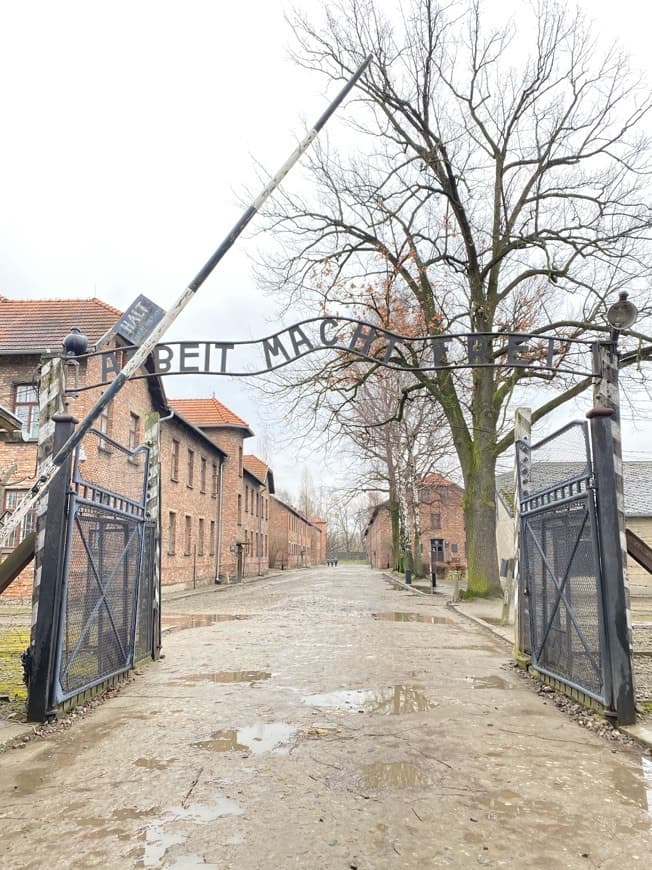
x=105 y=545
x=560 y=569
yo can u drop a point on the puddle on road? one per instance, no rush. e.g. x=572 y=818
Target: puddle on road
x=634 y=786
x=197 y=620
x=488 y=682
x=396 y=774
x=390 y=701
x=402 y=616
x=158 y=841
x=226 y=677
x=258 y=739
x=128 y=814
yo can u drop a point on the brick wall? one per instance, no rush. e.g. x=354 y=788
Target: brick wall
x=255 y=525
x=230 y=440
x=318 y=541
x=291 y=537
x=442 y=518
x=245 y=509
x=17 y=458
x=189 y=505
x=379 y=540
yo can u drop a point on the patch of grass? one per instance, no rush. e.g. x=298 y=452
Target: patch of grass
x=13 y=642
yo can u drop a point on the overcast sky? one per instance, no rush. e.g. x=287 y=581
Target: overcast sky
x=130 y=131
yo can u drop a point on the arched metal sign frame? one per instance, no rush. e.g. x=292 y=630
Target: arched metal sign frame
x=358 y=339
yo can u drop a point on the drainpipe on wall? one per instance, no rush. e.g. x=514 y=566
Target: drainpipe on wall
x=218 y=554
x=260 y=532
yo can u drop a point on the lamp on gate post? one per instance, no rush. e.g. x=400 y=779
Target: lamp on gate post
x=621 y=315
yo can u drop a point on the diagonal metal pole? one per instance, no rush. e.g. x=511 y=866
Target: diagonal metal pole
x=139 y=357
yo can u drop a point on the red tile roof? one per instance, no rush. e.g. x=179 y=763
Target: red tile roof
x=256 y=466
x=35 y=325
x=207 y=412
x=438 y=480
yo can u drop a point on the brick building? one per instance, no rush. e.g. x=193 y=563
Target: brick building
x=378 y=537
x=215 y=501
x=258 y=485
x=191 y=515
x=28 y=330
x=191 y=462
x=245 y=488
x=443 y=537
x=318 y=540
x=293 y=541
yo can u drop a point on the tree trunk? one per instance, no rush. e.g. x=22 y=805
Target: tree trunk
x=480 y=521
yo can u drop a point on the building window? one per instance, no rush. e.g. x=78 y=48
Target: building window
x=202 y=475
x=453 y=548
x=134 y=431
x=26 y=409
x=174 y=463
x=12 y=499
x=239 y=509
x=187 y=536
x=104 y=428
x=200 y=537
x=172 y=533
x=214 y=481
x=211 y=542
x=191 y=467
x=437 y=549
x=240 y=461
x=435 y=521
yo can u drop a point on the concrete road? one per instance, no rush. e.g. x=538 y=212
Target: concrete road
x=335 y=723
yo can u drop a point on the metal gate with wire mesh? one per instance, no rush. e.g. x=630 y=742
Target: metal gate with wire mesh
x=561 y=575
x=105 y=558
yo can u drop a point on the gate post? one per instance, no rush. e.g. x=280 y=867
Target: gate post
x=607 y=456
x=46 y=620
x=153 y=514
x=522 y=434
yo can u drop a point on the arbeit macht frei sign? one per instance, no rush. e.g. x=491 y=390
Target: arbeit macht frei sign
x=357 y=338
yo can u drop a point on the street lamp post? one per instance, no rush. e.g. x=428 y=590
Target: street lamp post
x=608 y=470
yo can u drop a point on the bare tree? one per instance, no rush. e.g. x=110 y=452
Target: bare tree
x=395 y=453
x=497 y=185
